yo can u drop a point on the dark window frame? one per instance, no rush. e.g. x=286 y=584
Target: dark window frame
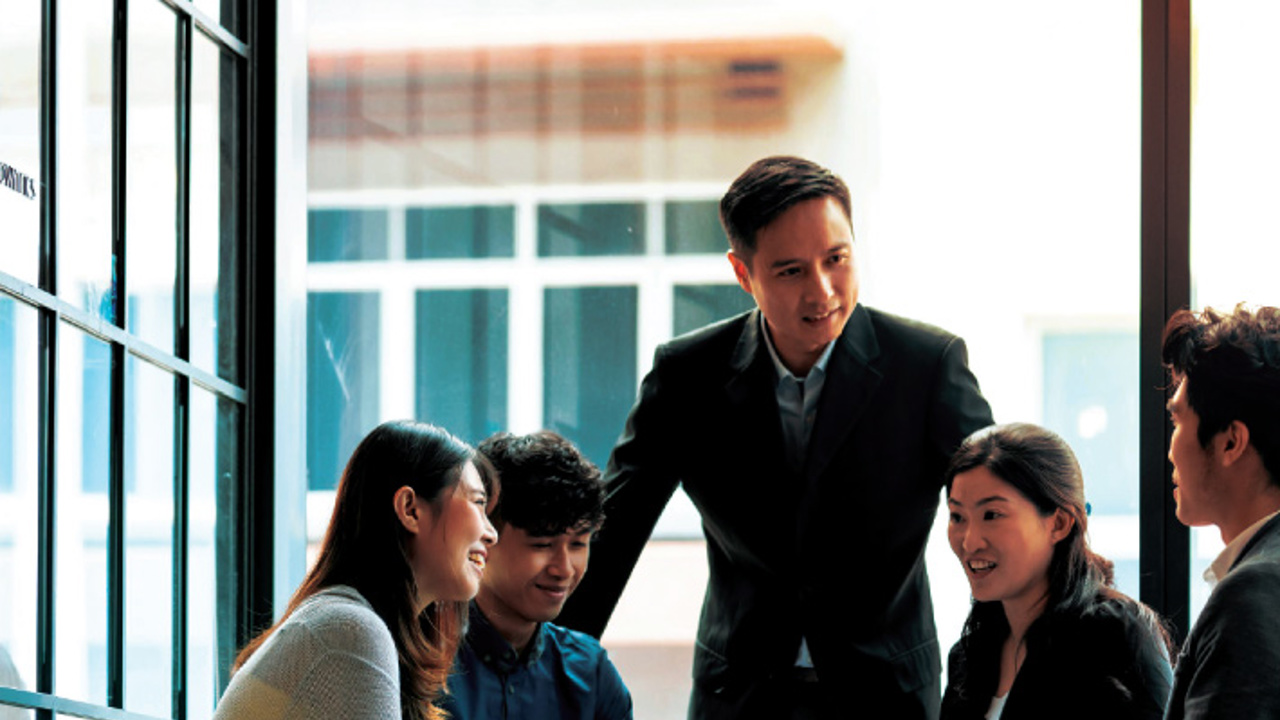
x=1164 y=544
x=246 y=35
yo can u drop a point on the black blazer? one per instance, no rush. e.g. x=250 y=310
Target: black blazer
x=1230 y=663
x=834 y=552
x=1108 y=662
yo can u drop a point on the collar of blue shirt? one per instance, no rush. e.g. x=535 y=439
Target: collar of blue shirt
x=494 y=650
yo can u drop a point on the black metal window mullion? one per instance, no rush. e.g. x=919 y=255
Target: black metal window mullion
x=46 y=596
x=115 y=532
x=237 y=608
x=46 y=362
x=119 y=357
x=258 y=173
x=1164 y=543
x=181 y=439
x=182 y=383
x=48 y=270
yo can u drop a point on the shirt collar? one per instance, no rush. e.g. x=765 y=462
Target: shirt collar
x=820 y=367
x=1222 y=565
x=494 y=650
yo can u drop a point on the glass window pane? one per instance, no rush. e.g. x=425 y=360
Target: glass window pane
x=151 y=188
x=215 y=210
x=991 y=178
x=19 y=420
x=83 y=434
x=342 y=380
x=588 y=229
x=589 y=361
x=462 y=361
x=459 y=232
x=148 y=540
x=20 y=140
x=211 y=549
x=1091 y=400
x=693 y=226
x=9 y=712
x=86 y=274
x=699 y=305
x=337 y=235
x=1235 y=243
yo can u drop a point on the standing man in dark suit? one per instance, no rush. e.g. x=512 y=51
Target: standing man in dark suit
x=1225 y=452
x=812 y=434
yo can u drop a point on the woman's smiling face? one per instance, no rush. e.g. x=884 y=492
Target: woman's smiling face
x=449 y=550
x=1002 y=540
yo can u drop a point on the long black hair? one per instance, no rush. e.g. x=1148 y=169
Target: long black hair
x=365 y=548
x=1041 y=466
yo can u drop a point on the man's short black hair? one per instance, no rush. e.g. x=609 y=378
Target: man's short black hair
x=548 y=487
x=1230 y=363
x=767 y=189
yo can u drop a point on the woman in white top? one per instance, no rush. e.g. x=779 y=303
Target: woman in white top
x=372 y=630
x=1048 y=636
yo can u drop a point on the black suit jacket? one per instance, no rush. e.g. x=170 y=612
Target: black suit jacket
x=833 y=552
x=1107 y=661
x=1230 y=664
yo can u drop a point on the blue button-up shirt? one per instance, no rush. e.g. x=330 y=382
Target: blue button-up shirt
x=561 y=674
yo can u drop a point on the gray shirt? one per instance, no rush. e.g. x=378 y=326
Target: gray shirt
x=333 y=658
x=797 y=407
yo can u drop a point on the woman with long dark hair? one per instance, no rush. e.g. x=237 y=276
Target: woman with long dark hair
x=372 y=630
x=1047 y=636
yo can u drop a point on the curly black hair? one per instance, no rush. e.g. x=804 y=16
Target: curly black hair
x=1231 y=364
x=548 y=487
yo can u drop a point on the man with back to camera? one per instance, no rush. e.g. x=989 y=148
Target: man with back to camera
x=812 y=435
x=514 y=663
x=1225 y=452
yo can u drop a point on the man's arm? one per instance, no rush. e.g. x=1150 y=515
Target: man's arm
x=639 y=484
x=1233 y=666
x=959 y=407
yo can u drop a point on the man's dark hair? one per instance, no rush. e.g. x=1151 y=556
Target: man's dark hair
x=767 y=189
x=1231 y=366
x=548 y=487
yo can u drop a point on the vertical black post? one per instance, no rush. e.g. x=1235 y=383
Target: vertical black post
x=119 y=290
x=46 y=597
x=232 y=351
x=46 y=464
x=257 y=511
x=49 y=147
x=181 y=510
x=182 y=383
x=1166 y=286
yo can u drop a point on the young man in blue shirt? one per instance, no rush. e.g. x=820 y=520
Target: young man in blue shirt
x=514 y=664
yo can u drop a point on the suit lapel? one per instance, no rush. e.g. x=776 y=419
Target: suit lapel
x=751 y=393
x=851 y=380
